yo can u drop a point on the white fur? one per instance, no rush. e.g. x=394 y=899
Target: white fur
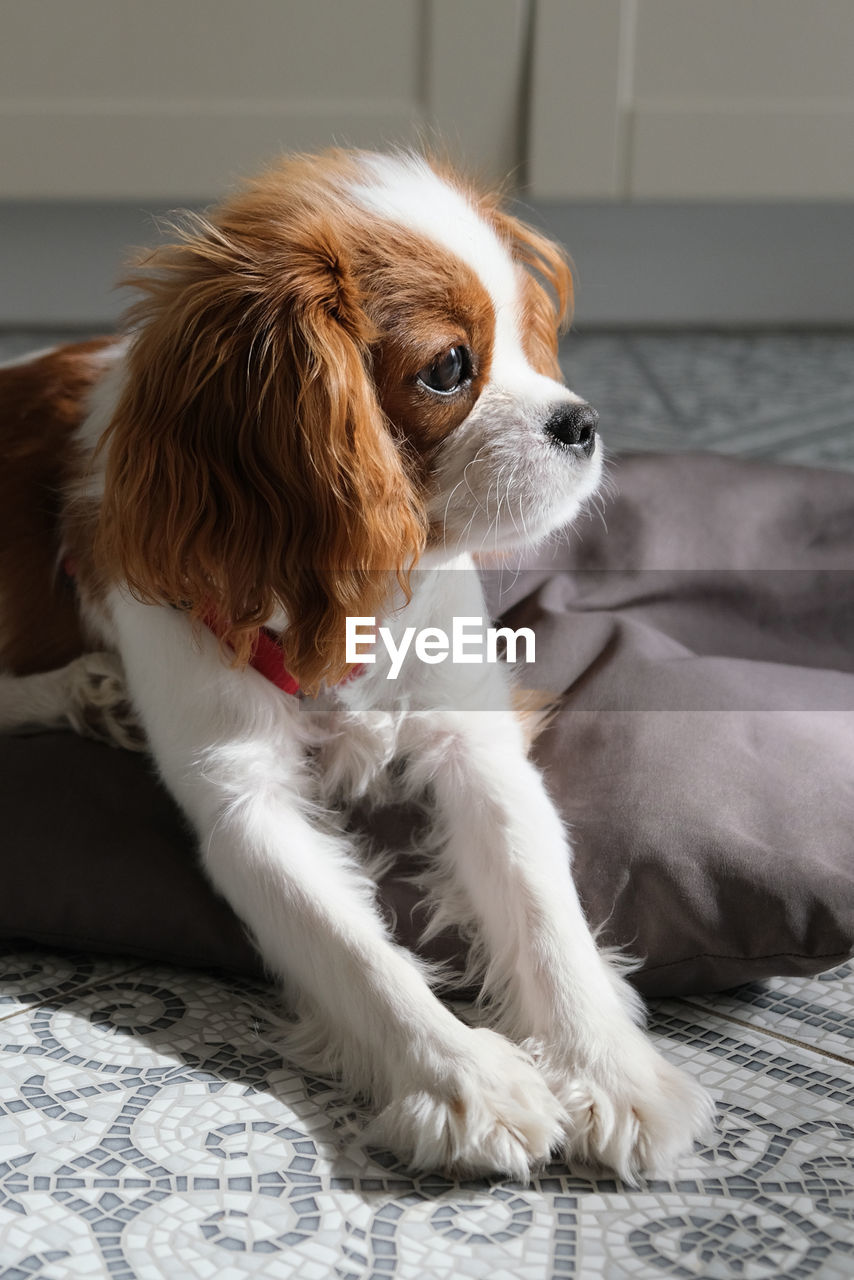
x=261 y=776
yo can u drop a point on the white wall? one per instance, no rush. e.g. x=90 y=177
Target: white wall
x=693 y=99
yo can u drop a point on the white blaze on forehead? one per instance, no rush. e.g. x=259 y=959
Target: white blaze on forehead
x=404 y=189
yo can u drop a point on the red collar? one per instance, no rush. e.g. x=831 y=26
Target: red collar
x=266 y=657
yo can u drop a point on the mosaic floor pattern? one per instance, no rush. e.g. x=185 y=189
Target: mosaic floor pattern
x=149 y=1128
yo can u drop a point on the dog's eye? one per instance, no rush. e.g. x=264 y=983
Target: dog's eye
x=448 y=372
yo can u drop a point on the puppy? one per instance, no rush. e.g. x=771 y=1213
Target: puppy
x=348 y=370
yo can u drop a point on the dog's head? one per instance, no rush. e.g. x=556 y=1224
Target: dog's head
x=352 y=361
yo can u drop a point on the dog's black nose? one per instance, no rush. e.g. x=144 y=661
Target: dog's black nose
x=574 y=426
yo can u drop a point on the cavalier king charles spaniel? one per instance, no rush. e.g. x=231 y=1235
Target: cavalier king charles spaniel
x=347 y=370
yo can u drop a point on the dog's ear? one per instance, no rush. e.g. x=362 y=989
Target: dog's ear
x=546 y=312
x=249 y=464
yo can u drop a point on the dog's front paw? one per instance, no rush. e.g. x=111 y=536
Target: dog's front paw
x=630 y=1110
x=495 y=1115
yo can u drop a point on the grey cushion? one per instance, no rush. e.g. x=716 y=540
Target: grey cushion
x=703 y=752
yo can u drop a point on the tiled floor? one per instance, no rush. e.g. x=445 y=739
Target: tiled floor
x=149 y=1127
x=783 y=395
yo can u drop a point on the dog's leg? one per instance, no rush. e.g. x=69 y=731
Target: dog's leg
x=230 y=748
x=507 y=872
x=87 y=695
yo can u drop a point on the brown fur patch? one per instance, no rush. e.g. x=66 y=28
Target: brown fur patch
x=422 y=301
x=42 y=401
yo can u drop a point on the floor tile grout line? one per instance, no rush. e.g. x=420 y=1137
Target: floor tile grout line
x=61 y=995
x=764 y=1030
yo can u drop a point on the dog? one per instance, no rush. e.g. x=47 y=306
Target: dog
x=335 y=390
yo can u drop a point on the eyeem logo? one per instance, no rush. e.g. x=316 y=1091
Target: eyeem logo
x=469 y=641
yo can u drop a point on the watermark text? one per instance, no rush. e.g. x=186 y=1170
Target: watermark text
x=469 y=642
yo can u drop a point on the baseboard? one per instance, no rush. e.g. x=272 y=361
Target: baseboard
x=638 y=264
x=707 y=264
